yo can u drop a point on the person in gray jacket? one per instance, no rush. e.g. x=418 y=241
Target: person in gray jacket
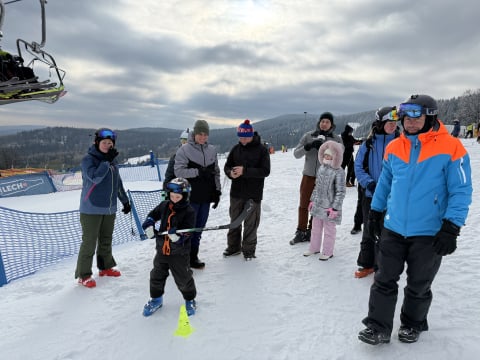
x=308 y=147
x=197 y=162
x=102 y=186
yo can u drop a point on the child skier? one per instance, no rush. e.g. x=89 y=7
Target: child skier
x=173 y=250
x=326 y=200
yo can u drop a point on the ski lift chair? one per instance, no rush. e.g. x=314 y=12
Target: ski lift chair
x=18 y=82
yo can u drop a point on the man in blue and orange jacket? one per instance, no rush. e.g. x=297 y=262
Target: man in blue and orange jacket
x=425 y=190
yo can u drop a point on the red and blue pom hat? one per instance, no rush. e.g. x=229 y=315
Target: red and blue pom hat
x=245 y=129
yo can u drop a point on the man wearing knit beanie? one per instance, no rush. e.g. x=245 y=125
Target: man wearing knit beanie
x=201 y=126
x=247 y=165
x=197 y=162
x=308 y=147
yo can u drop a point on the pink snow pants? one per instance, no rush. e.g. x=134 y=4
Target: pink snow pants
x=326 y=229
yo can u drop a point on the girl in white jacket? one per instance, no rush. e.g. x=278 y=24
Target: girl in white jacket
x=326 y=200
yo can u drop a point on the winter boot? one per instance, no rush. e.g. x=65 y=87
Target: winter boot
x=373 y=337
x=88 y=282
x=249 y=256
x=362 y=272
x=300 y=236
x=109 y=272
x=152 y=305
x=195 y=263
x=356 y=229
x=324 y=257
x=191 y=307
x=229 y=252
x=407 y=334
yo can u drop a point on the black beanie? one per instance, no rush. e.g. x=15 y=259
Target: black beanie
x=326 y=115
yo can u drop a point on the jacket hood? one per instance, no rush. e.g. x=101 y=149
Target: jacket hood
x=337 y=153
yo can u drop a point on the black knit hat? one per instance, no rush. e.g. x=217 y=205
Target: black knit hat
x=326 y=115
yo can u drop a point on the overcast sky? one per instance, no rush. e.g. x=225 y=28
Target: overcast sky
x=167 y=63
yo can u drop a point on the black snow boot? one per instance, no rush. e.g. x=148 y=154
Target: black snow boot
x=300 y=236
x=195 y=263
x=373 y=337
x=407 y=334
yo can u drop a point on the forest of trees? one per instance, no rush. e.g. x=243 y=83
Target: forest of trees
x=62 y=148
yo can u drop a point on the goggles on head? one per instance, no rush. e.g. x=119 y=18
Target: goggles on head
x=414 y=110
x=391 y=115
x=106 y=134
x=177 y=188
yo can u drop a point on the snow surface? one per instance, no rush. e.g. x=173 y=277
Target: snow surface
x=282 y=305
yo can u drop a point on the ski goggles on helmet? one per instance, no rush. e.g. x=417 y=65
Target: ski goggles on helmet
x=178 y=188
x=414 y=110
x=106 y=134
x=392 y=115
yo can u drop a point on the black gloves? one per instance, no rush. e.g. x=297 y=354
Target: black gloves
x=216 y=198
x=126 y=208
x=314 y=144
x=371 y=186
x=445 y=241
x=317 y=143
x=111 y=154
x=375 y=224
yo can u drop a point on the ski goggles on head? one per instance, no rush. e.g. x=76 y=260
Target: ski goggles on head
x=107 y=134
x=391 y=115
x=414 y=110
x=177 y=188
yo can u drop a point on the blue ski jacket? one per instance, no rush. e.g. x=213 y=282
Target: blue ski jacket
x=374 y=148
x=425 y=178
x=102 y=185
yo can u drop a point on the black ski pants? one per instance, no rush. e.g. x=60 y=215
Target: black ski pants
x=422 y=266
x=179 y=266
x=250 y=225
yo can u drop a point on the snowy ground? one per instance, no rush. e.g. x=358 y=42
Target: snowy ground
x=279 y=306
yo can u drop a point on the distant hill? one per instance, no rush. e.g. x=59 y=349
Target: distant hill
x=62 y=148
x=13 y=129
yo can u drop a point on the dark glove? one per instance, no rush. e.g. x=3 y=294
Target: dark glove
x=445 y=241
x=148 y=222
x=307 y=146
x=111 y=154
x=375 y=224
x=216 y=198
x=205 y=173
x=371 y=186
x=126 y=208
x=317 y=143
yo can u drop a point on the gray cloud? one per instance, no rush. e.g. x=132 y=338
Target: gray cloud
x=135 y=64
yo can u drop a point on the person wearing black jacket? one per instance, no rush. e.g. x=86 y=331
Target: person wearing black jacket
x=173 y=249
x=247 y=165
x=347 y=163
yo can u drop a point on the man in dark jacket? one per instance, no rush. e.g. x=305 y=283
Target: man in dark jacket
x=248 y=164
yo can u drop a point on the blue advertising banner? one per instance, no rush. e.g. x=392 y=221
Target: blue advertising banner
x=27 y=184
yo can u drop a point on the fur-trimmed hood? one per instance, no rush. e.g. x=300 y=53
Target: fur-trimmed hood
x=337 y=153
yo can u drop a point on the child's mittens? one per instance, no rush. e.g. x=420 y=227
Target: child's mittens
x=332 y=213
x=150 y=232
x=310 y=205
x=172 y=234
